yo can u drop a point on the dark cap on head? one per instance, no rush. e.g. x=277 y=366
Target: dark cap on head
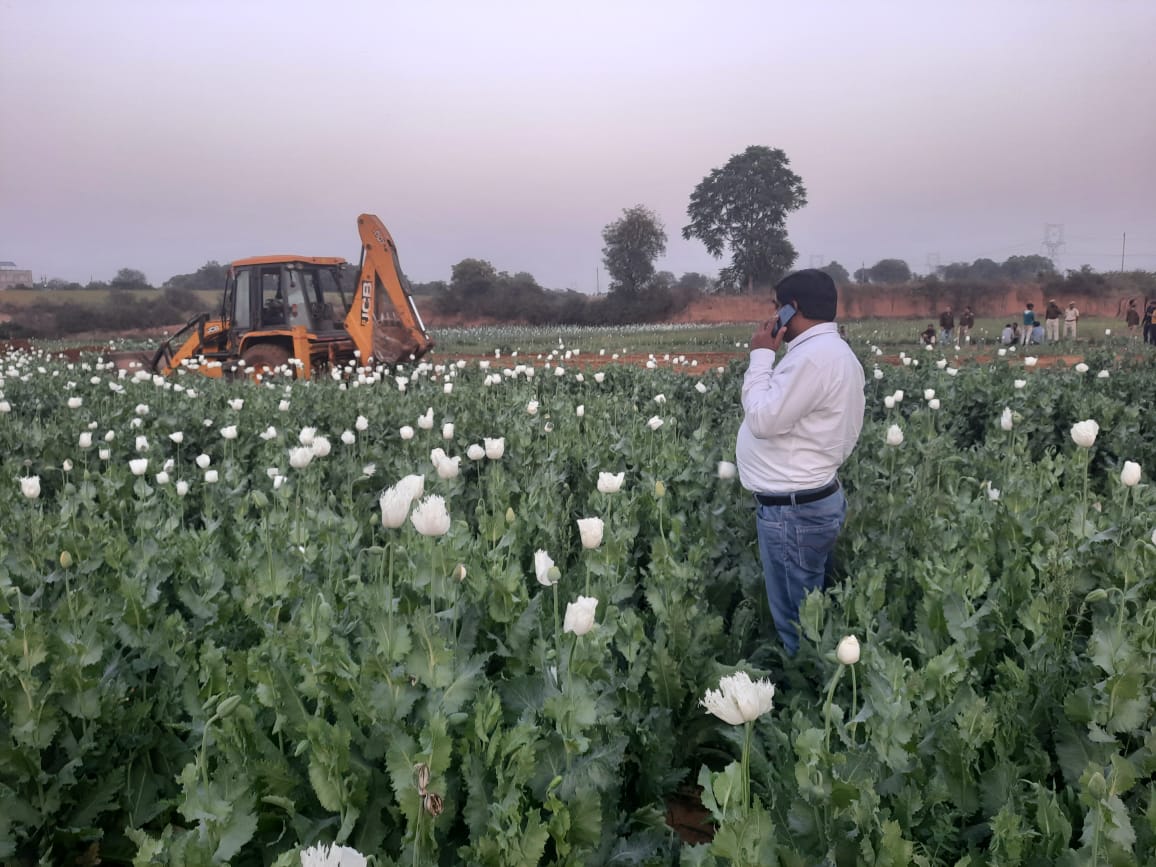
x=814 y=290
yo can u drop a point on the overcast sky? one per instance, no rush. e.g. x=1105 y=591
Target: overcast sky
x=160 y=135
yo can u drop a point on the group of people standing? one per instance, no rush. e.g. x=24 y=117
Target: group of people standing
x=947 y=327
x=1047 y=331
x=1148 y=321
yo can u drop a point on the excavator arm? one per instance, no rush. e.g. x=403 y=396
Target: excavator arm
x=383 y=320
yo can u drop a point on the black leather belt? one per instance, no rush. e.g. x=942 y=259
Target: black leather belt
x=798 y=498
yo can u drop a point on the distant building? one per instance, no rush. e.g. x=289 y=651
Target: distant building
x=11 y=276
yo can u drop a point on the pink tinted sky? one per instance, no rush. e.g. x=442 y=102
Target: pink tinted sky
x=159 y=135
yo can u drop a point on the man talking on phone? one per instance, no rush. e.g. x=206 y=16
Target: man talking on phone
x=801 y=420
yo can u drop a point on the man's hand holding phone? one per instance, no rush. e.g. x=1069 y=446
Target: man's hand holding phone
x=772 y=332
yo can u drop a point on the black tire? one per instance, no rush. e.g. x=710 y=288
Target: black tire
x=264 y=358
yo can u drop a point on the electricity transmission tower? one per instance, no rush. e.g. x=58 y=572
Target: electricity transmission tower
x=1054 y=241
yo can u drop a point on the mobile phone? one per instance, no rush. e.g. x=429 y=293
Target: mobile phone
x=785 y=314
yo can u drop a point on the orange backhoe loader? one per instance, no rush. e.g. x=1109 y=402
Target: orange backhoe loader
x=299 y=312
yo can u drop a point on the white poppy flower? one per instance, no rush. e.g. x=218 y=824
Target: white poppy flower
x=532 y=407
x=894 y=435
x=322 y=855
x=430 y=517
x=610 y=483
x=580 y=411
x=475 y=452
x=425 y=422
x=203 y=461
x=75 y=402
x=447 y=431
x=30 y=487
x=543 y=563
x=590 y=529
x=307 y=435
x=348 y=437
x=1084 y=433
x=1081 y=368
x=86 y=439
x=177 y=437
x=848 y=650
x=182 y=488
x=300 y=457
x=933 y=403
x=495 y=447
x=727 y=470
x=321 y=447
x=139 y=466
x=579 y=617
x=362 y=423
x=229 y=432
x=236 y=403
x=395 y=505
x=412 y=485
x=738 y=699
x=449 y=468
x=1130 y=475
x=655 y=423
x=211 y=477
x=162 y=478
x=405 y=432
x=269 y=433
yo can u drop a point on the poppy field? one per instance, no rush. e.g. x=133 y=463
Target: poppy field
x=510 y=612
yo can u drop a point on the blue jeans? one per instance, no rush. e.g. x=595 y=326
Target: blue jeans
x=797 y=547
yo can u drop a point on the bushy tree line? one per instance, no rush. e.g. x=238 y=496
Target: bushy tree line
x=478 y=290
x=121 y=311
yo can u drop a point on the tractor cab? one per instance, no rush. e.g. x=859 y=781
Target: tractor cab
x=273 y=293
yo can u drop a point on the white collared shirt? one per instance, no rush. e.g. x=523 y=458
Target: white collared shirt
x=802 y=418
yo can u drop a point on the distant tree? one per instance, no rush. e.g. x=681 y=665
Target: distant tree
x=633 y=242
x=985 y=271
x=743 y=207
x=956 y=271
x=862 y=275
x=209 y=276
x=471 y=278
x=96 y=286
x=1028 y=268
x=890 y=271
x=129 y=278
x=837 y=273
x=694 y=281
x=662 y=280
